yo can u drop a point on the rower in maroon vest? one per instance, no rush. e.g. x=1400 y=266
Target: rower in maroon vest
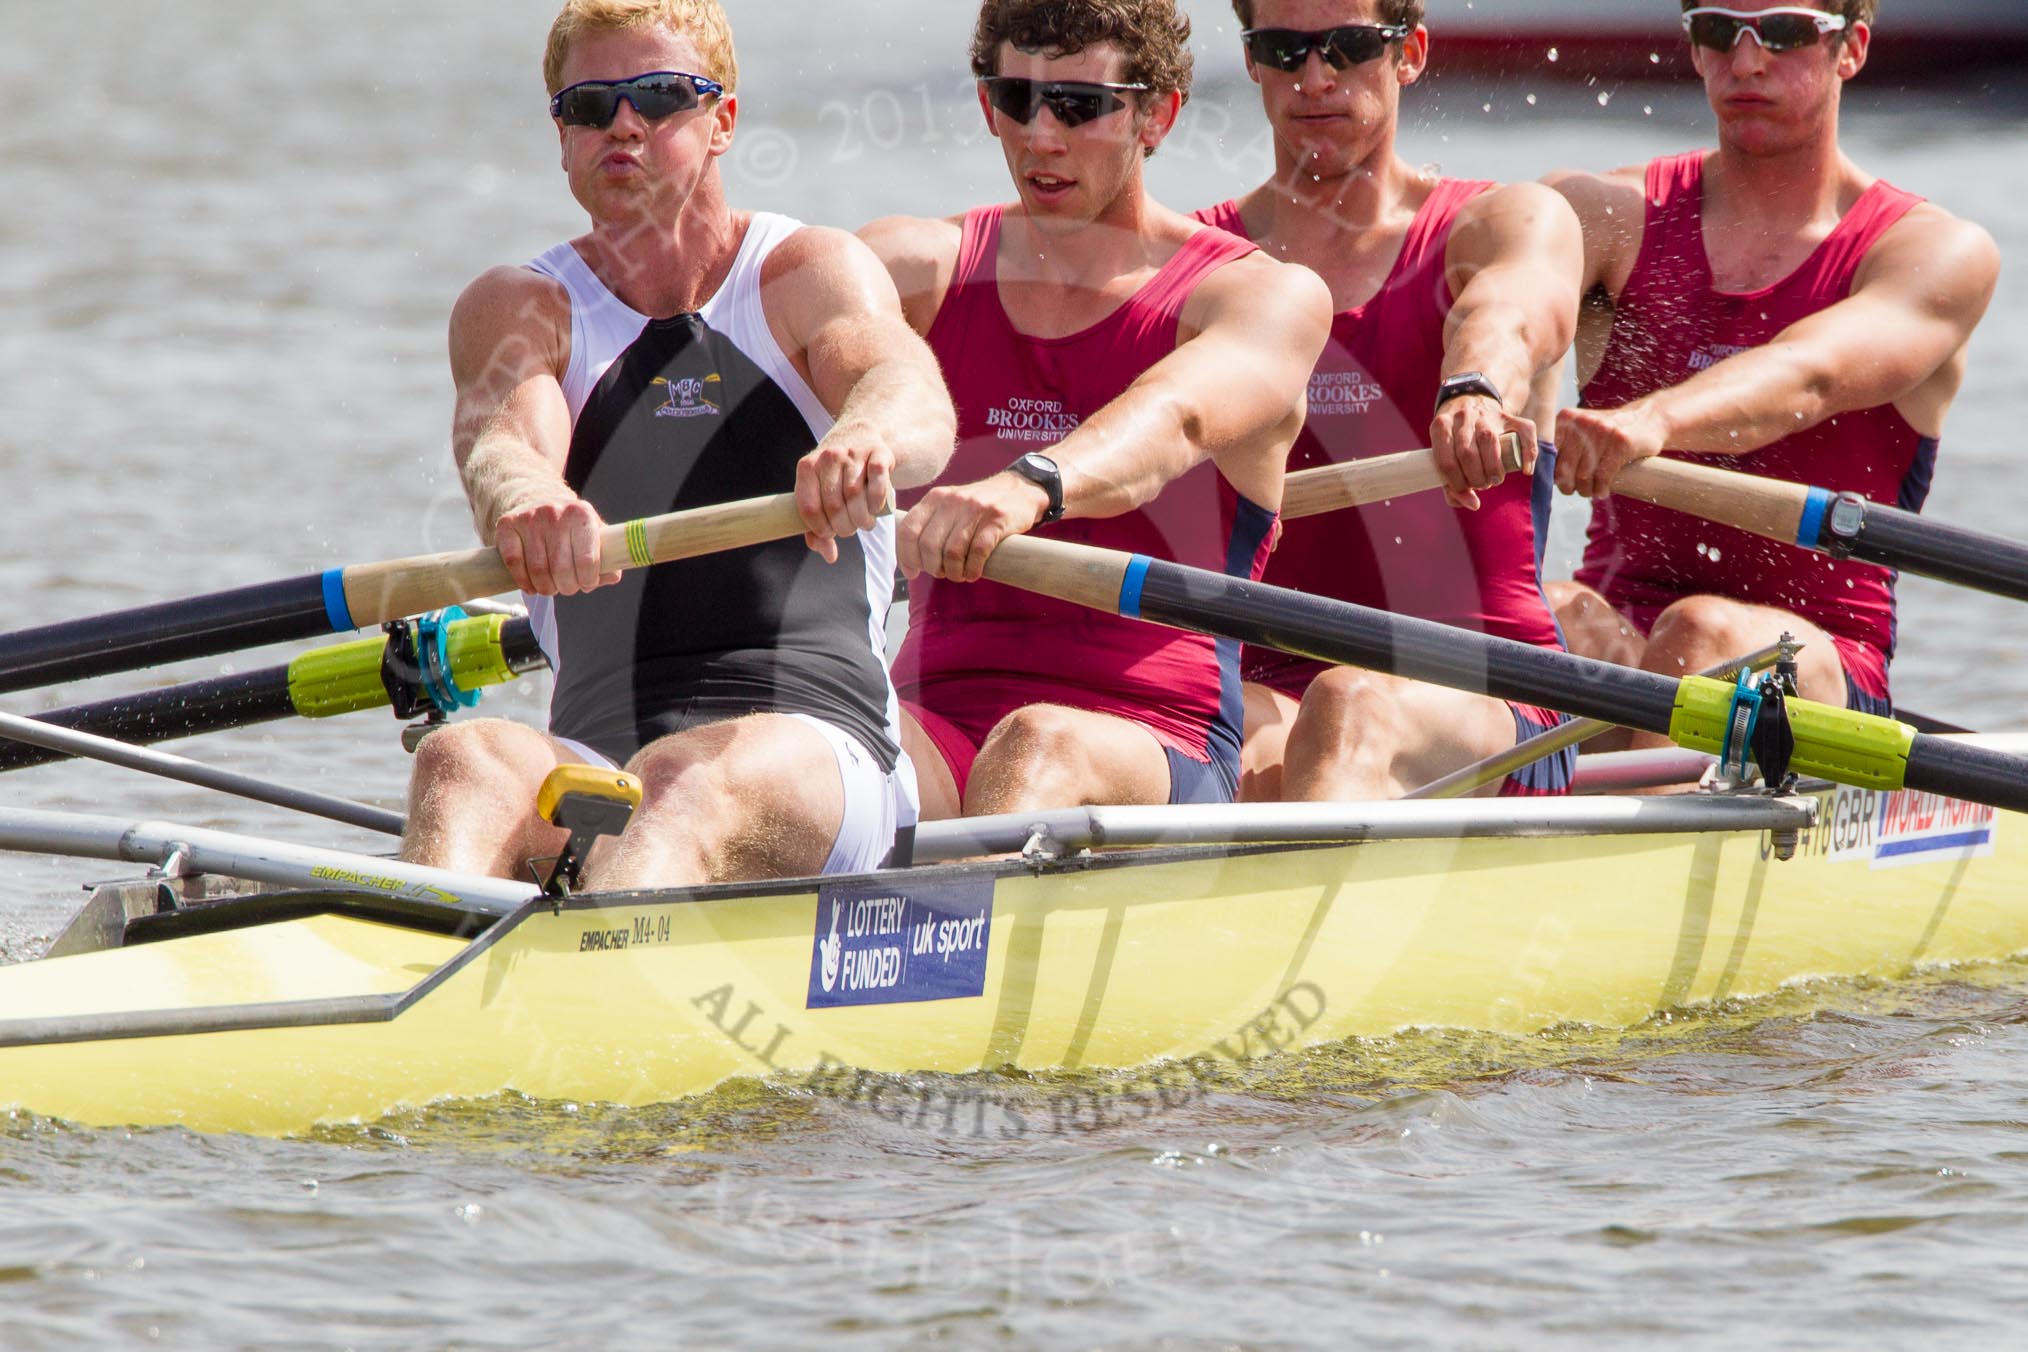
x=1456 y=301
x=1125 y=377
x=1772 y=308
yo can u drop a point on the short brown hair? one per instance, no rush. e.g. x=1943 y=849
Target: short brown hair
x=1404 y=13
x=1855 y=11
x=703 y=20
x=1153 y=35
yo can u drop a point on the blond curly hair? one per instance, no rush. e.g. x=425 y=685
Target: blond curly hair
x=703 y=20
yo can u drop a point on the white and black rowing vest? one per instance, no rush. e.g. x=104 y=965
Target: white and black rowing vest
x=670 y=414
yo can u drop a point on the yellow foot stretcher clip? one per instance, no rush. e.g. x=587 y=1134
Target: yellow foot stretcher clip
x=588 y=803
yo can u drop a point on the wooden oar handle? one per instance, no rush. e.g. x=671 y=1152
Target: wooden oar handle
x=1083 y=574
x=1765 y=507
x=1312 y=492
x=379 y=592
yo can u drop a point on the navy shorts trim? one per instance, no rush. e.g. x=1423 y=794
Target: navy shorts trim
x=1199 y=782
x=1550 y=776
x=1861 y=702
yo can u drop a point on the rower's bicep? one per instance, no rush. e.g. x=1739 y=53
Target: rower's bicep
x=1255 y=343
x=508 y=350
x=1927 y=320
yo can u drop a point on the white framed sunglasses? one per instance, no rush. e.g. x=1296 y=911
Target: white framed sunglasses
x=1788 y=29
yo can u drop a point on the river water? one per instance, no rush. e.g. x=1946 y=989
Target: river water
x=228 y=244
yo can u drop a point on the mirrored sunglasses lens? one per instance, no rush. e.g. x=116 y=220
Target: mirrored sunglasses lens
x=1787 y=32
x=1015 y=98
x=1716 y=31
x=1075 y=108
x=1279 y=48
x=658 y=98
x=1353 y=47
x=588 y=106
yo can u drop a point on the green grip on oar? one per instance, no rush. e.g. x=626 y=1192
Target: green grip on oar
x=1837 y=744
x=345 y=679
x=478 y=658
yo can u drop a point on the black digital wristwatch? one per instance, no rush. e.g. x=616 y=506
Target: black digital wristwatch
x=1464 y=383
x=1041 y=471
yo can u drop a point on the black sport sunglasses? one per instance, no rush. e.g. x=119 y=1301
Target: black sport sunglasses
x=595 y=103
x=1075 y=102
x=1286 y=49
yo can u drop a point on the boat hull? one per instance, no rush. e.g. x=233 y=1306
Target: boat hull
x=1227 y=953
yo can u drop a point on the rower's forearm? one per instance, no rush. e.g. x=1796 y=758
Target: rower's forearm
x=1123 y=456
x=1510 y=343
x=1743 y=404
x=904 y=402
x=502 y=474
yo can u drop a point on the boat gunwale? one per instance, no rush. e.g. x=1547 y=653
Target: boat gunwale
x=1652 y=818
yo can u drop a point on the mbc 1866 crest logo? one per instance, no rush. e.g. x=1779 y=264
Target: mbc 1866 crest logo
x=689 y=397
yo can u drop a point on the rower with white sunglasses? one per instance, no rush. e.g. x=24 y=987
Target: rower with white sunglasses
x=1770 y=304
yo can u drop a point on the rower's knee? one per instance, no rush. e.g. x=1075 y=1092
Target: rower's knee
x=1344 y=709
x=712 y=781
x=1035 y=757
x=485 y=754
x=1040 y=740
x=471 y=799
x=1591 y=627
x=690 y=771
x=1701 y=631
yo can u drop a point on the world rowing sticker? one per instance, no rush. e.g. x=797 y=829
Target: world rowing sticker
x=1888 y=830
x=880 y=945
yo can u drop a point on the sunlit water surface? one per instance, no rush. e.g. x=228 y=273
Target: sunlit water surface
x=227 y=269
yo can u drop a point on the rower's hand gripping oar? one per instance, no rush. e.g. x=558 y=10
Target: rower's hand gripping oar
x=1836 y=744
x=1842 y=525
x=344 y=599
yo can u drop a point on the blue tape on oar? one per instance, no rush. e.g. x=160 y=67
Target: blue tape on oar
x=1810 y=530
x=1131 y=584
x=335 y=606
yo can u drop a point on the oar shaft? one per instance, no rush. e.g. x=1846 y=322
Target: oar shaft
x=173 y=631
x=319 y=684
x=345 y=599
x=1849 y=747
x=1331 y=631
x=1841 y=525
x=203 y=776
x=240 y=701
x=1893 y=538
x=1574 y=733
x=1331 y=488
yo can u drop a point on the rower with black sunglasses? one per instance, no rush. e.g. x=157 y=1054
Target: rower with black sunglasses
x=1773 y=305
x=683 y=354
x=1456 y=301
x=1125 y=377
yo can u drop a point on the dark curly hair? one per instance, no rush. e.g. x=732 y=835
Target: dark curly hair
x=1405 y=12
x=1154 y=36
